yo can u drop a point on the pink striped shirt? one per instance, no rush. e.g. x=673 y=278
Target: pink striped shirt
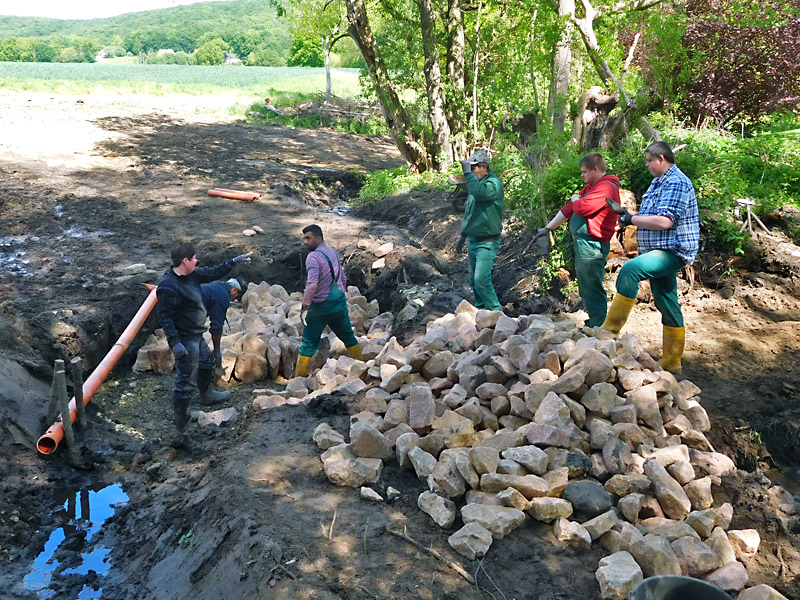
x=318 y=282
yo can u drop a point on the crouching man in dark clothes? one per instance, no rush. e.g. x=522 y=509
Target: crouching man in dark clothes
x=183 y=318
x=217 y=298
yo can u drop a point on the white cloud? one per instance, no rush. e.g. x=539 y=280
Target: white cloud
x=83 y=9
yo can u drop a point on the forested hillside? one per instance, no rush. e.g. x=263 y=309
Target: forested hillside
x=254 y=30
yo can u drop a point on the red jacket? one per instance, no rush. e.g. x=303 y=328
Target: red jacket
x=592 y=205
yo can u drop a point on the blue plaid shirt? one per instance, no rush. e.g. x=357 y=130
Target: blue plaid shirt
x=672 y=196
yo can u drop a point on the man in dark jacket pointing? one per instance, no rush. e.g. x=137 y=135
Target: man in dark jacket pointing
x=183 y=318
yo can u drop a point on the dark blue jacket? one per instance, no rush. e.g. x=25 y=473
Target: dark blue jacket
x=217 y=299
x=180 y=301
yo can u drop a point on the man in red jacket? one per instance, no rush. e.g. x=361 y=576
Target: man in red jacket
x=592 y=224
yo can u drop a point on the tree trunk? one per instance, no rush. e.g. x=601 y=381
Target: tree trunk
x=326 y=50
x=441 y=152
x=562 y=63
x=455 y=101
x=589 y=129
x=394 y=113
x=586 y=27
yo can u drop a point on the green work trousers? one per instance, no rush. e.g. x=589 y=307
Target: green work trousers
x=334 y=314
x=590 y=267
x=661 y=267
x=481 y=257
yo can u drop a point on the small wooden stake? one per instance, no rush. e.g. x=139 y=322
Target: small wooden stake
x=77 y=384
x=60 y=381
x=53 y=406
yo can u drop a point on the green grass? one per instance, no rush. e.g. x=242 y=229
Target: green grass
x=81 y=78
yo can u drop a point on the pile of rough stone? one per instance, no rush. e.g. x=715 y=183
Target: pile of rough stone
x=509 y=419
x=263 y=336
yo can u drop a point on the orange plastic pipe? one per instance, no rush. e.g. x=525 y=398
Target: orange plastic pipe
x=234 y=194
x=53 y=436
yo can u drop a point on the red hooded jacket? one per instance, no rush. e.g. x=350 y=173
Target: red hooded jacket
x=592 y=205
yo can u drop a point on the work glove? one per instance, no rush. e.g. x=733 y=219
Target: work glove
x=542 y=231
x=245 y=258
x=460 y=243
x=303 y=312
x=466 y=166
x=218 y=359
x=625 y=219
x=624 y=215
x=179 y=350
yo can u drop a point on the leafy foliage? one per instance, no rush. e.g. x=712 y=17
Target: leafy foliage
x=380 y=184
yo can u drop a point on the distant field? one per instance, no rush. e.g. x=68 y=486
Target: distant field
x=164 y=79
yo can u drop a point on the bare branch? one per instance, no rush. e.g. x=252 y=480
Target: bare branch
x=631 y=5
x=628 y=60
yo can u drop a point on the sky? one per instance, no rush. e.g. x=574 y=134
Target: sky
x=83 y=9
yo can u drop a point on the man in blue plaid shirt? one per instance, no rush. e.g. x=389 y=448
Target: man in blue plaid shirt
x=669 y=238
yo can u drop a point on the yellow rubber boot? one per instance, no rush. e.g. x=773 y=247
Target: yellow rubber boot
x=674 y=340
x=301 y=368
x=355 y=352
x=618 y=312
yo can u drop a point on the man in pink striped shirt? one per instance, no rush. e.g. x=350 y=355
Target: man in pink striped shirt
x=324 y=301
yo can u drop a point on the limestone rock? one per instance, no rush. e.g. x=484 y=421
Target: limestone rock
x=530 y=457
x=499 y=520
x=513 y=498
x=403 y=446
x=730 y=577
x=422 y=461
x=630 y=506
x=549 y=509
x=669 y=528
x=617 y=575
x=530 y=486
x=438 y=364
x=669 y=492
x=370 y=495
x=441 y=510
x=218 y=418
x=617 y=456
x=353 y=472
x=392 y=493
x=600 y=399
x=699 y=493
x=326 y=436
x=446 y=477
x=622 y=485
x=712 y=463
x=367 y=442
x=600 y=524
x=547 y=435
x=484 y=459
x=696 y=558
x=571 y=533
x=471 y=541
x=421 y=407
x=761 y=592
x=745 y=542
x=718 y=541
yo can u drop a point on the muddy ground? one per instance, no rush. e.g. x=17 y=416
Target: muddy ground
x=90 y=185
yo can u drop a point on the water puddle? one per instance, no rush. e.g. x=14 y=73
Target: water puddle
x=12 y=257
x=69 y=552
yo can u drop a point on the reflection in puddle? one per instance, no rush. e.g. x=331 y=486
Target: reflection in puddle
x=83 y=513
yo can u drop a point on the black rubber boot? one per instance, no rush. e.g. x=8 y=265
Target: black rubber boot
x=208 y=395
x=180 y=406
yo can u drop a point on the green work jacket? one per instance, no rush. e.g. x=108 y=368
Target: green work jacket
x=483 y=214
